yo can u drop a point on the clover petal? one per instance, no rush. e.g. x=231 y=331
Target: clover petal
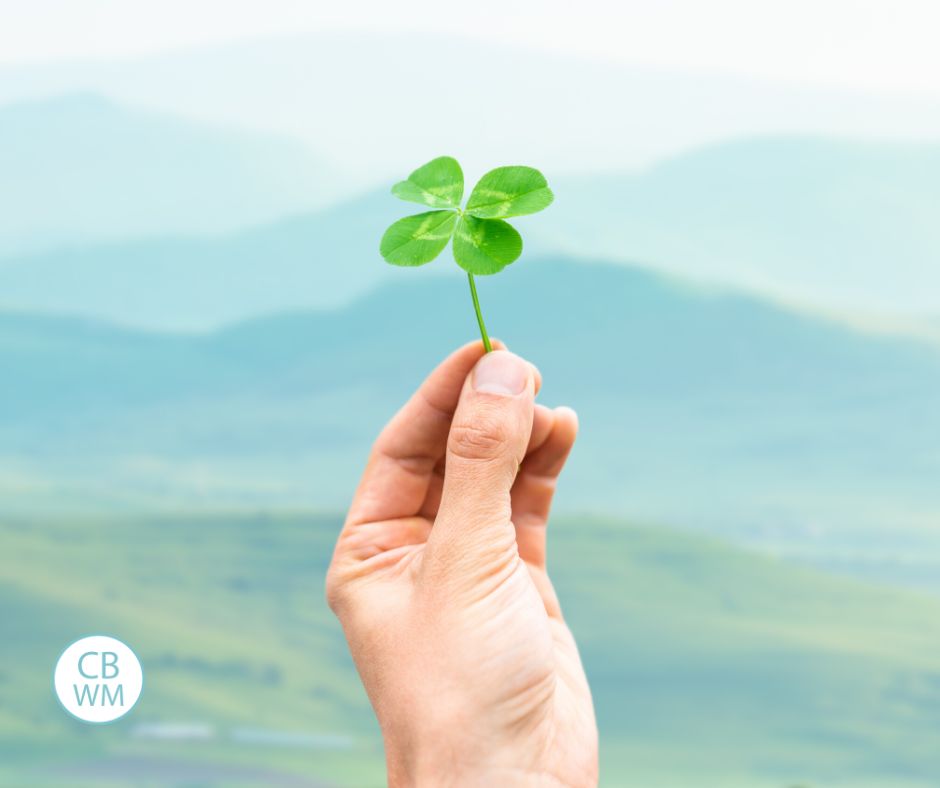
x=439 y=184
x=418 y=239
x=485 y=246
x=509 y=191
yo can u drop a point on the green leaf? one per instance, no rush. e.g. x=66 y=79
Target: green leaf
x=418 y=239
x=439 y=183
x=509 y=191
x=485 y=246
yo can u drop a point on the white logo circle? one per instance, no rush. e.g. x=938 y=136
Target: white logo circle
x=98 y=679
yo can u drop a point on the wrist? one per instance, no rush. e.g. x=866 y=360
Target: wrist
x=415 y=767
x=462 y=776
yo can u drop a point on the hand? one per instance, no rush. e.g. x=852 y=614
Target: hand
x=439 y=581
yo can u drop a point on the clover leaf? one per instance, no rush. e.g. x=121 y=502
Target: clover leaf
x=483 y=243
x=418 y=239
x=509 y=191
x=439 y=183
x=485 y=246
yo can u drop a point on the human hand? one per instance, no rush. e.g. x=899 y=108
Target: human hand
x=439 y=581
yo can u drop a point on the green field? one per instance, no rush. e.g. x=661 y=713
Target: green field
x=710 y=666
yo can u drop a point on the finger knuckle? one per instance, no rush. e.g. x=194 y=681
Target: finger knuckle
x=335 y=592
x=481 y=438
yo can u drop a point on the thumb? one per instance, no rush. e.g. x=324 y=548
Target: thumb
x=487 y=442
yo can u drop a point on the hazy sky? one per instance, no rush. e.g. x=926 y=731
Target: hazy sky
x=882 y=45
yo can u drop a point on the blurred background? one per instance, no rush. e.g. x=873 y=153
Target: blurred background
x=738 y=288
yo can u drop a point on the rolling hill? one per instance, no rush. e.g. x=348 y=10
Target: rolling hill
x=311 y=261
x=836 y=223
x=703 y=408
x=78 y=169
x=709 y=666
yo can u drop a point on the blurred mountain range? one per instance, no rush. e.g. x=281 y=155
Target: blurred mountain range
x=774 y=426
x=777 y=426
x=80 y=168
x=843 y=226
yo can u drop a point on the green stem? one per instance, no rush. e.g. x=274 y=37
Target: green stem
x=476 y=307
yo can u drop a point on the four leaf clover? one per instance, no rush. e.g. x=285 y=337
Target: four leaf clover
x=483 y=243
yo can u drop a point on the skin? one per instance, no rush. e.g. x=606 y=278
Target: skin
x=439 y=581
